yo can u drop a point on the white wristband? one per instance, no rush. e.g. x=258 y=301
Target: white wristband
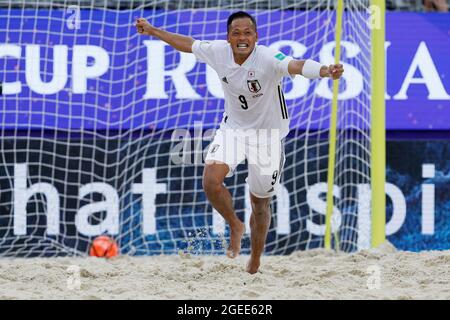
x=311 y=69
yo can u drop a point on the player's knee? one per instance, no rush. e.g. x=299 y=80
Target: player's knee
x=261 y=207
x=211 y=185
x=213 y=179
x=261 y=212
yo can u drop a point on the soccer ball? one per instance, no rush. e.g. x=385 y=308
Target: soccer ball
x=104 y=247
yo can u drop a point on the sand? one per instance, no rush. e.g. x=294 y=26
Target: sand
x=382 y=273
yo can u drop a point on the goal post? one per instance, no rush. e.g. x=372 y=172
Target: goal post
x=378 y=107
x=376 y=21
x=333 y=125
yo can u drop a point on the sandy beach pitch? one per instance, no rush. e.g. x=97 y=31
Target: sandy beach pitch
x=382 y=273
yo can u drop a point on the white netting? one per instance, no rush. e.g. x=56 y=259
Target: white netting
x=92 y=114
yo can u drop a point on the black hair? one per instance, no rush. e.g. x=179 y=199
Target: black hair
x=237 y=15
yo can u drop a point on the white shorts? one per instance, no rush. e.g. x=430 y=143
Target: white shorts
x=264 y=152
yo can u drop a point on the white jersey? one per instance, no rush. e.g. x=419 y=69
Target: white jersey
x=253 y=95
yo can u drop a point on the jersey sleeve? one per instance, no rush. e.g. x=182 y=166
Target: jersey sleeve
x=206 y=51
x=279 y=62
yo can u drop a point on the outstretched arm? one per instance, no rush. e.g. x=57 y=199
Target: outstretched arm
x=314 y=70
x=177 y=41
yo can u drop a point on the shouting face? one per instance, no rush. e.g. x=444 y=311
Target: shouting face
x=242 y=37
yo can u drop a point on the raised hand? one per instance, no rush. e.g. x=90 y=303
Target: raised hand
x=144 y=27
x=335 y=71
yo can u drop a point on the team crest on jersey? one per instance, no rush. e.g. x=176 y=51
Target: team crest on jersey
x=253 y=86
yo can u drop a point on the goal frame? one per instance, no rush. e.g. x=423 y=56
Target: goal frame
x=378 y=125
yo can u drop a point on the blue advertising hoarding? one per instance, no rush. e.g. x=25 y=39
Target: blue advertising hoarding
x=104 y=76
x=418 y=205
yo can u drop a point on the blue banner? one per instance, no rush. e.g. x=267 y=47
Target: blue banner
x=102 y=75
x=152 y=206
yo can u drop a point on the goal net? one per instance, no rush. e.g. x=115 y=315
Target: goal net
x=104 y=131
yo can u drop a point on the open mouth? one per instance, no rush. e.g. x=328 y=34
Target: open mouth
x=242 y=46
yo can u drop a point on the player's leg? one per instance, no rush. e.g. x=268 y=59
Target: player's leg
x=259 y=225
x=264 y=171
x=224 y=154
x=220 y=198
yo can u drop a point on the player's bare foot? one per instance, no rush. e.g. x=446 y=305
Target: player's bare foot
x=253 y=265
x=236 y=233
